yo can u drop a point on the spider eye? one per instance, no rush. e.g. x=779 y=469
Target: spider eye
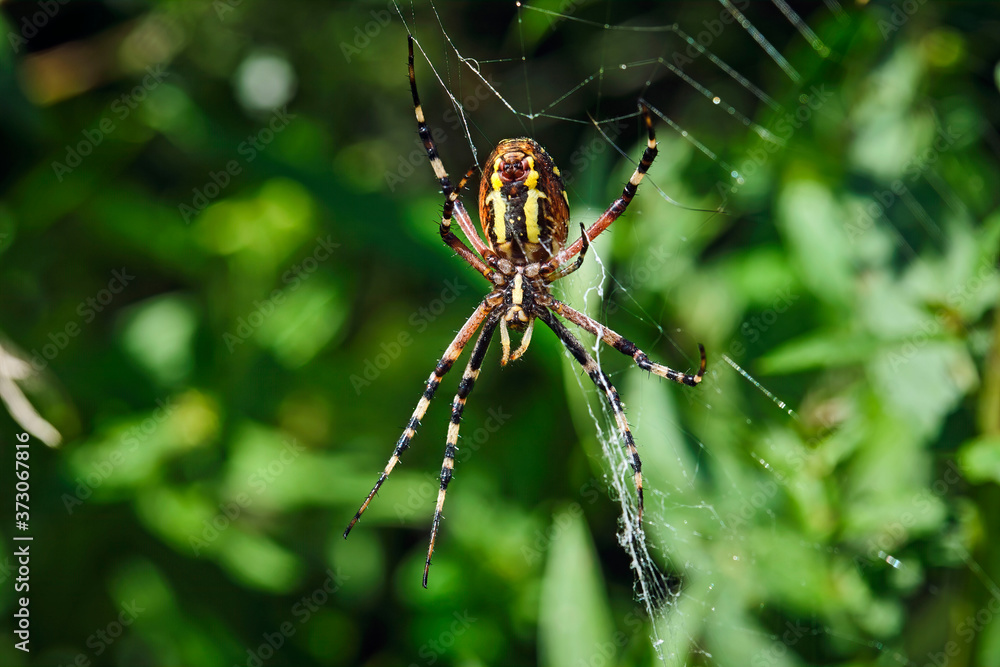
x=515 y=170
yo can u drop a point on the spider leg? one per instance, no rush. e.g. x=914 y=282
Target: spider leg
x=625 y=346
x=601 y=379
x=450 y=193
x=464 y=221
x=618 y=207
x=566 y=270
x=452 y=203
x=443 y=366
x=457 y=406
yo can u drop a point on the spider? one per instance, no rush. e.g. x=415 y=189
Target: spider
x=524 y=211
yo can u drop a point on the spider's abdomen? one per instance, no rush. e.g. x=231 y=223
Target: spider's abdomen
x=522 y=202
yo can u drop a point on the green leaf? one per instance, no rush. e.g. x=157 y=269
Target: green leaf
x=980 y=459
x=575 y=623
x=811 y=220
x=824 y=350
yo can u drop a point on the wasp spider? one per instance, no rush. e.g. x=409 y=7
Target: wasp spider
x=524 y=212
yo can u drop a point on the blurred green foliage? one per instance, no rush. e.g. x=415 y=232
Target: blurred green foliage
x=219 y=257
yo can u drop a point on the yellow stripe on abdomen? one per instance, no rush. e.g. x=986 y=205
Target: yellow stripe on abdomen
x=499 y=205
x=531 y=226
x=531 y=215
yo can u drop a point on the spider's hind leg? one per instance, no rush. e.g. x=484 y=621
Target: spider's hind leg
x=457 y=407
x=603 y=382
x=443 y=366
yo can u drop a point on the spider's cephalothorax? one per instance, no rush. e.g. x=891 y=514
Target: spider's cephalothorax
x=525 y=213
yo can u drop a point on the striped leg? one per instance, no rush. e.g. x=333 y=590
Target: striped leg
x=625 y=346
x=602 y=381
x=451 y=204
x=564 y=271
x=620 y=204
x=443 y=366
x=451 y=446
x=450 y=193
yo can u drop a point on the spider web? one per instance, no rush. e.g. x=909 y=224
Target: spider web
x=637 y=59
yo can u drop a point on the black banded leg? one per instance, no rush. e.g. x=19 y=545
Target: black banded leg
x=450 y=193
x=457 y=406
x=603 y=382
x=449 y=236
x=443 y=366
x=424 y=131
x=449 y=202
x=625 y=346
x=619 y=205
x=566 y=270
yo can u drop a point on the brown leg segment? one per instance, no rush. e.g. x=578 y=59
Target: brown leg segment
x=625 y=346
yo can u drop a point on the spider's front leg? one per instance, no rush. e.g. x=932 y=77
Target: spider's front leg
x=451 y=194
x=452 y=203
x=603 y=382
x=619 y=205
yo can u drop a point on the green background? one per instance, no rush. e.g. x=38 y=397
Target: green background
x=230 y=366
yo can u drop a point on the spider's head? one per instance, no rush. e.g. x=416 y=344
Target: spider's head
x=513 y=166
x=522 y=202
